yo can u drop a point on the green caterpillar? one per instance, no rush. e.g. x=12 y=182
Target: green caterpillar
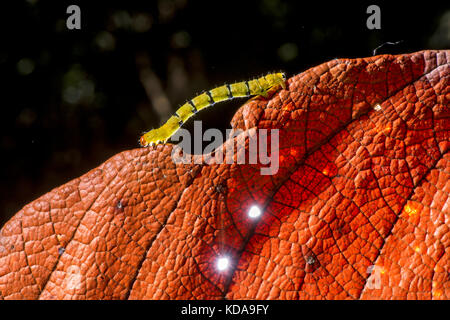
x=254 y=87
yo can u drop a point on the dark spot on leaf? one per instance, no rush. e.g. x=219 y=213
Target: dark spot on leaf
x=221 y=188
x=311 y=261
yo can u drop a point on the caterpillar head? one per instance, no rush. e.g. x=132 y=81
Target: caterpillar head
x=162 y=134
x=276 y=79
x=151 y=138
x=282 y=79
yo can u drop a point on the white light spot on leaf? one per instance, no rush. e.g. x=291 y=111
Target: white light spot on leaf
x=223 y=263
x=254 y=212
x=377 y=107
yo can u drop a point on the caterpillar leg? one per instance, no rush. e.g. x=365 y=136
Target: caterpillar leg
x=275 y=88
x=264 y=94
x=267 y=85
x=270 y=91
x=162 y=134
x=153 y=137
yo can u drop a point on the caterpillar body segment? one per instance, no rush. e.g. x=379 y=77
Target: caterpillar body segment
x=256 y=87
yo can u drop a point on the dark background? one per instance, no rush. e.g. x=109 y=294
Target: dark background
x=70 y=99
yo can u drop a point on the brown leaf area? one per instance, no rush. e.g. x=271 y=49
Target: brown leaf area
x=359 y=208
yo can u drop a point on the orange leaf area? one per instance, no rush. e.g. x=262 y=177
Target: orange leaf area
x=359 y=208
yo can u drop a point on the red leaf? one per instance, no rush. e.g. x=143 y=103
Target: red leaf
x=358 y=209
